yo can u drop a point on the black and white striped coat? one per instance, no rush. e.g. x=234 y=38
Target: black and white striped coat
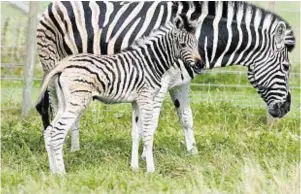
x=136 y=75
x=228 y=33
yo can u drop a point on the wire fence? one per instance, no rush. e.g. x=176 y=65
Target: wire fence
x=235 y=89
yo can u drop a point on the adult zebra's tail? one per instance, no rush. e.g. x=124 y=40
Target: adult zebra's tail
x=42 y=107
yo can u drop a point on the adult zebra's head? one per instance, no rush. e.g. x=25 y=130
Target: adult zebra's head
x=185 y=43
x=269 y=73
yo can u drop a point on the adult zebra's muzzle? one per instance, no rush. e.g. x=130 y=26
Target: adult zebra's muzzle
x=279 y=109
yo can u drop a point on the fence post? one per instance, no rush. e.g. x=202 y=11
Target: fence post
x=270 y=119
x=30 y=57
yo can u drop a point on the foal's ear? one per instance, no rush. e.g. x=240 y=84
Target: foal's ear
x=192 y=26
x=183 y=23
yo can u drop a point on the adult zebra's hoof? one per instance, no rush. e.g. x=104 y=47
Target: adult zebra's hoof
x=193 y=151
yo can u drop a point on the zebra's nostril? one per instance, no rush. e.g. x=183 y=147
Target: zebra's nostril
x=276 y=106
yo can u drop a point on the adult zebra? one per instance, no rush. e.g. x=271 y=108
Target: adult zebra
x=229 y=33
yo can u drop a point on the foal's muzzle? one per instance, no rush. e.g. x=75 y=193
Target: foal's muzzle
x=199 y=66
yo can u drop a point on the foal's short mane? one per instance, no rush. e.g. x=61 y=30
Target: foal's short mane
x=182 y=21
x=144 y=40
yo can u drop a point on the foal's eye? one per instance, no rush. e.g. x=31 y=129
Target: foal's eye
x=182 y=44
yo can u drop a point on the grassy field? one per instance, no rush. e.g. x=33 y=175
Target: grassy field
x=238 y=151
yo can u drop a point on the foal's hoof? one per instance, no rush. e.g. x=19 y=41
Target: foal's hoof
x=59 y=173
x=135 y=168
x=150 y=170
x=74 y=149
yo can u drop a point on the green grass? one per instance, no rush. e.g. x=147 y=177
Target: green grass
x=238 y=153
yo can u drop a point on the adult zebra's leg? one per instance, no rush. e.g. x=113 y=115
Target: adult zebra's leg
x=180 y=97
x=75 y=135
x=135 y=137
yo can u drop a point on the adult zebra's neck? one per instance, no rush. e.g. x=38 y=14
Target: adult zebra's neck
x=231 y=32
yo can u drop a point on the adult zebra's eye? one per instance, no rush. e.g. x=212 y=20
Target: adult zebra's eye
x=183 y=44
x=286 y=66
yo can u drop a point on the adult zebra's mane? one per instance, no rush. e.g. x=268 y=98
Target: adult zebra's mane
x=238 y=8
x=229 y=32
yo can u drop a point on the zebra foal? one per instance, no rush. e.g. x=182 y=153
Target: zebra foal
x=136 y=75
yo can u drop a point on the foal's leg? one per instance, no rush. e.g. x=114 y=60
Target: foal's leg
x=145 y=105
x=53 y=89
x=180 y=97
x=54 y=137
x=57 y=108
x=55 y=134
x=75 y=135
x=157 y=104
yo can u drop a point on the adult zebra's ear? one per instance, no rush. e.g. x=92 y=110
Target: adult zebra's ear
x=280 y=35
x=289 y=40
x=284 y=37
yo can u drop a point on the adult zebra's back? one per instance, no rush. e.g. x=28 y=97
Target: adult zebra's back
x=68 y=28
x=228 y=33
